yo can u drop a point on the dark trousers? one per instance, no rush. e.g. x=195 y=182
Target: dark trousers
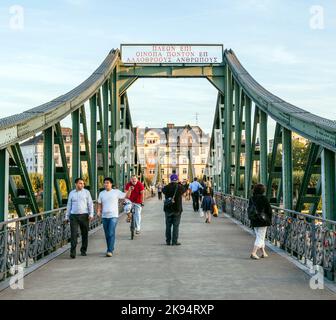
x=81 y=220
x=196 y=199
x=172 y=221
x=160 y=195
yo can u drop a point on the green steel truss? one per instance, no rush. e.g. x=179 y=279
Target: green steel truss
x=239 y=142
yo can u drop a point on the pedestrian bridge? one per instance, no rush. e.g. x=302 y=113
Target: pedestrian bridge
x=212 y=263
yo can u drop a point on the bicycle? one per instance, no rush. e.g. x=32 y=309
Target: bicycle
x=132 y=221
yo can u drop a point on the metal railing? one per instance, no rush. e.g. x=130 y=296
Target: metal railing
x=309 y=239
x=25 y=241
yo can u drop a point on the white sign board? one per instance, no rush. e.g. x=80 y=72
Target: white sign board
x=172 y=54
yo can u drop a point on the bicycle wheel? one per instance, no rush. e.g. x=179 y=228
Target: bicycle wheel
x=132 y=227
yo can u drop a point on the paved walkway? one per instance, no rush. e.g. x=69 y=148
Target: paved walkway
x=212 y=263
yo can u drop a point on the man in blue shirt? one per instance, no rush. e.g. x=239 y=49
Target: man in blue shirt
x=195 y=188
x=80 y=212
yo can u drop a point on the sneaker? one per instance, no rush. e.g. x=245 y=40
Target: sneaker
x=83 y=254
x=109 y=254
x=137 y=232
x=177 y=244
x=72 y=256
x=254 y=257
x=168 y=243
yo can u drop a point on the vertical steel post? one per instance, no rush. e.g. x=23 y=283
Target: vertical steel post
x=287 y=168
x=48 y=170
x=228 y=131
x=263 y=148
x=237 y=137
x=248 y=145
x=115 y=122
x=329 y=184
x=4 y=184
x=76 y=161
x=93 y=149
x=106 y=151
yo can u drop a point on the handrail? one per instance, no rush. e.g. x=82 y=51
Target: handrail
x=21 y=126
x=316 y=129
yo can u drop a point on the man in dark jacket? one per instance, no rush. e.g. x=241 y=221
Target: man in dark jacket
x=173 y=217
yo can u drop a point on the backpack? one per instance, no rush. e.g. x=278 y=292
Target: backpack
x=255 y=215
x=169 y=202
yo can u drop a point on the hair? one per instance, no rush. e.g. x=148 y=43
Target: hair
x=78 y=179
x=259 y=189
x=108 y=180
x=134 y=176
x=195 y=179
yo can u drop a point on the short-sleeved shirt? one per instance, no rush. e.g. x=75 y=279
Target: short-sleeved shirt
x=136 y=196
x=110 y=202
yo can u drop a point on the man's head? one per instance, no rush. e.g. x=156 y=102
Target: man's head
x=79 y=182
x=195 y=179
x=134 y=179
x=174 y=178
x=108 y=183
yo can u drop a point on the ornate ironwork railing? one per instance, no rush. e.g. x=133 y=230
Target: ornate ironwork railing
x=25 y=241
x=309 y=239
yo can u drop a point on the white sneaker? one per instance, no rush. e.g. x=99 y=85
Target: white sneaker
x=109 y=254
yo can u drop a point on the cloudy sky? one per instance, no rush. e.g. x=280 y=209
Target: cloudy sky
x=288 y=46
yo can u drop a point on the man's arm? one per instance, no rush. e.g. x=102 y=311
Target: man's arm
x=68 y=211
x=90 y=206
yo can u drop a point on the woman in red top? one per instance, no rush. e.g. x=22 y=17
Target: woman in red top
x=137 y=196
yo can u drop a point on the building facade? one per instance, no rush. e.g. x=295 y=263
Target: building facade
x=32 y=151
x=183 y=149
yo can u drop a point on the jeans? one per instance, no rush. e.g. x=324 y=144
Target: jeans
x=81 y=220
x=110 y=225
x=137 y=216
x=172 y=221
x=196 y=198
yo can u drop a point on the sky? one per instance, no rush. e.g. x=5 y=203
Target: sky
x=287 y=46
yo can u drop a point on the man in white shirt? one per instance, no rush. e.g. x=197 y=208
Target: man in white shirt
x=80 y=213
x=108 y=208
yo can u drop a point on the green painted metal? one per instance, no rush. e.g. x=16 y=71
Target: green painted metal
x=48 y=170
x=329 y=184
x=21 y=197
x=287 y=168
x=263 y=148
x=105 y=138
x=76 y=164
x=255 y=155
x=238 y=133
x=275 y=171
x=248 y=145
x=61 y=172
x=308 y=194
x=93 y=149
x=115 y=105
x=4 y=178
x=228 y=131
x=85 y=154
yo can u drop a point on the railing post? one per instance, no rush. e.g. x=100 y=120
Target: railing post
x=263 y=148
x=93 y=149
x=106 y=151
x=4 y=184
x=287 y=169
x=237 y=137
x=228 y=131
x=329 y=184
x=48 y=170
x=76 y=163
x=248 y=145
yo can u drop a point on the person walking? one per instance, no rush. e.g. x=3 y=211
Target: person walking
x=108 y=209
x=159 y=190
x=79 y=212
x=173 y=190
x=208 y=202
x=260 y=213
x=138 y=197
x=195 y=188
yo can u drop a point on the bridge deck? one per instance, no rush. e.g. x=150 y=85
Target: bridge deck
x=212 y=263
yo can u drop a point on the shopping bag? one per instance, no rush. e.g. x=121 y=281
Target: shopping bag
x=215 y=210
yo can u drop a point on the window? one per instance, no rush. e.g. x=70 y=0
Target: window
x=56 y=149
x=203 y=161
x=185 y=171
x=68 y=160
x=68 y=149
